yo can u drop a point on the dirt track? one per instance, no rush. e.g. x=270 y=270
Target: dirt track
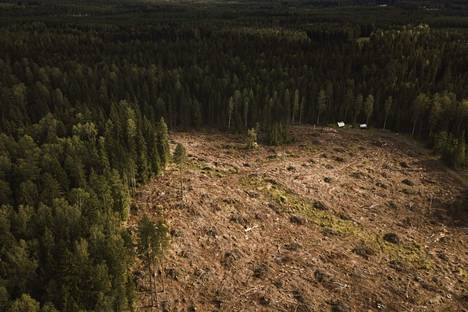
x=301 y=227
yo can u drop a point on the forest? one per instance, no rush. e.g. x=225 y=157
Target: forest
x=86 y=104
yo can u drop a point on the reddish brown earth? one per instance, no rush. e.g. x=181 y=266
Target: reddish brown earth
x=301 y=227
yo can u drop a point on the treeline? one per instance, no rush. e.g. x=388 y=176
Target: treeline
x=235 y=78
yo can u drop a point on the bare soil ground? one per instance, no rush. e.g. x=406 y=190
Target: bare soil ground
x=340 y=220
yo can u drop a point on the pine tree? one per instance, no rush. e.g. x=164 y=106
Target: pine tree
x=295 y=108
x=419 y=106
x=230 y=111
x=163 y=143
x=24 y=304
x=245 y=110
x=460 y=154
x=152 y=239
x=358 y=104
x=321 y=104
x=369 y=107
x=387 y=108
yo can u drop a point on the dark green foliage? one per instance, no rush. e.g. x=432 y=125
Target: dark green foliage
x=152 y=239
x=163 y=143
x=24 y=304
x=63 y=197
x=277 y=134
x=453 y=150
x=84 y=106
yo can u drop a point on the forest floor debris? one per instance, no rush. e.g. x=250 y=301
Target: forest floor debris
x=296 y=230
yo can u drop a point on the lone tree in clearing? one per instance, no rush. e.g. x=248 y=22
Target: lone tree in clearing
x=252 y=138
x=180 y=157
x=152 y=239
x=180 y=154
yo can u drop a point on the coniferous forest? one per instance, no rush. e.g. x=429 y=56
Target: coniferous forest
x=89 y=91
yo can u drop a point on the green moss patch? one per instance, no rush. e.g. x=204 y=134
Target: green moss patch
x=408 y=253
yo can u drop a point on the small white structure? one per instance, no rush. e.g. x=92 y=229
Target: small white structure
x=363 y=126
x=341 y=124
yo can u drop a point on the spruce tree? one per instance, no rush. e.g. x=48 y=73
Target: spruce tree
x=180 y=154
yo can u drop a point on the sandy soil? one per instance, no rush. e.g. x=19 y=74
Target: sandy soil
x=339 y=220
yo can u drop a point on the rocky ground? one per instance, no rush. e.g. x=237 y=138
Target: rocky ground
x=339 y=220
